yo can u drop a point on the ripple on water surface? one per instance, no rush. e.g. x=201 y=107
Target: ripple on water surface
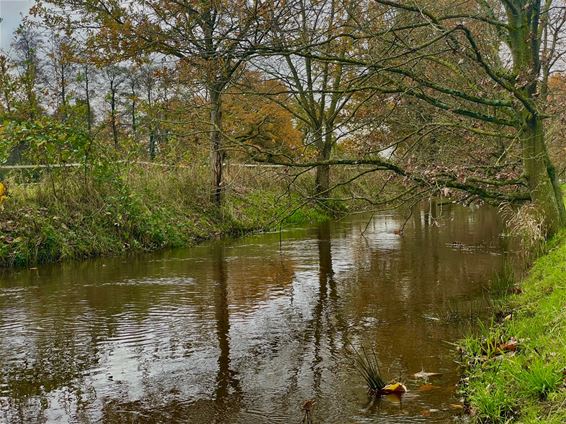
x=244 y=331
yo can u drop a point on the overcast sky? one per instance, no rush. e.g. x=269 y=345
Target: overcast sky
x=10 y=12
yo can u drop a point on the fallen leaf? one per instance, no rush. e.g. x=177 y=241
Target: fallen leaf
x=457 y=406
x=516 y=290
x=510 y=346
x=396 y=388
x=425 y=375
x=308 y=404
x=428 y=387
x=394 y=397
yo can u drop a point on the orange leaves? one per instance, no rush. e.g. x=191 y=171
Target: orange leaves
x=256 y=114
x=510 y=346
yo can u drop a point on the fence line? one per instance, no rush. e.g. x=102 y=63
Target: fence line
x=57 y=165
x=164 y=165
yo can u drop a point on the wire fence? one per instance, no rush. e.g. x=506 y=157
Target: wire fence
x=164 y=165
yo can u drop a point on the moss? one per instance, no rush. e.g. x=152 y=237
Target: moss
x=526 y=385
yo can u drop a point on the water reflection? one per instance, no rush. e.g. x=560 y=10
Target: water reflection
x=226 y=378
x=244 y=331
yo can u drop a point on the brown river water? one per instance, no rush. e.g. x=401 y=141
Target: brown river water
x=244 y=331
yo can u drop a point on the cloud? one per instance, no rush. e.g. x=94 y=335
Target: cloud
x=11 y=12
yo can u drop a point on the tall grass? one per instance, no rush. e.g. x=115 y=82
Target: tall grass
x=526 y=225
x=114 y=208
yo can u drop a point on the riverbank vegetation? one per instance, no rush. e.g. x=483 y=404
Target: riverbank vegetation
x=515 y=368
x=124 y=207
x=468 y=106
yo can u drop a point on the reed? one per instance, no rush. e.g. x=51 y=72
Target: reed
x=367 y=364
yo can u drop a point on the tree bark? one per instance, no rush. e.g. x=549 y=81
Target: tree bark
x=216 y=153
x=525 y=45
x=87 y=99
x=543 y=183
x=322 y=182
x=113 y=115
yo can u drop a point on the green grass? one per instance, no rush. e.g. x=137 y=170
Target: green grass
x=527 y=385
x=115 y=210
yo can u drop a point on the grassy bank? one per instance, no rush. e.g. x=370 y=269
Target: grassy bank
x=515 y=369
x=114 y=209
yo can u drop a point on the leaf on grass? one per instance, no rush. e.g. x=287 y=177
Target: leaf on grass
x=510 y=346
x=3 y=192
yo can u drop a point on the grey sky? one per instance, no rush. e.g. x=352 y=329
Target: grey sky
x=10 y=12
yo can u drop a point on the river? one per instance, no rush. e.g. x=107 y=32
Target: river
x=244 y=331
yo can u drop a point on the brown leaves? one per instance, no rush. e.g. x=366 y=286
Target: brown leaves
x=427 y=387
x=510 y=346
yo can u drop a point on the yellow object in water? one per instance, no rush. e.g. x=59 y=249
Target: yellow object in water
x=395 y=388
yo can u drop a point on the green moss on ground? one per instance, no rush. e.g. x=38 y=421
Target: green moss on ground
x=526 y=385
x=114 y=211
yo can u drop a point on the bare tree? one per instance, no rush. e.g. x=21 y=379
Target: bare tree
x=216 y=36
x=319 y=91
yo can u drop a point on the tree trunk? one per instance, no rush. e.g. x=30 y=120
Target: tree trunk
x=87 y=99
x=152 y=149
x=113 y=117
x=134 y=126
x=216 y=153
x=525 y=45
x=63 y=94
x=543 y=184
x=322 y=182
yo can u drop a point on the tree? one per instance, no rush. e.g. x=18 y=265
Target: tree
x=61 y=66
x=8 y=86
x=21 y=81
x=319 y=91
x=115 y=77
x=479 y=92
x=216 y=36
x=29 y=68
